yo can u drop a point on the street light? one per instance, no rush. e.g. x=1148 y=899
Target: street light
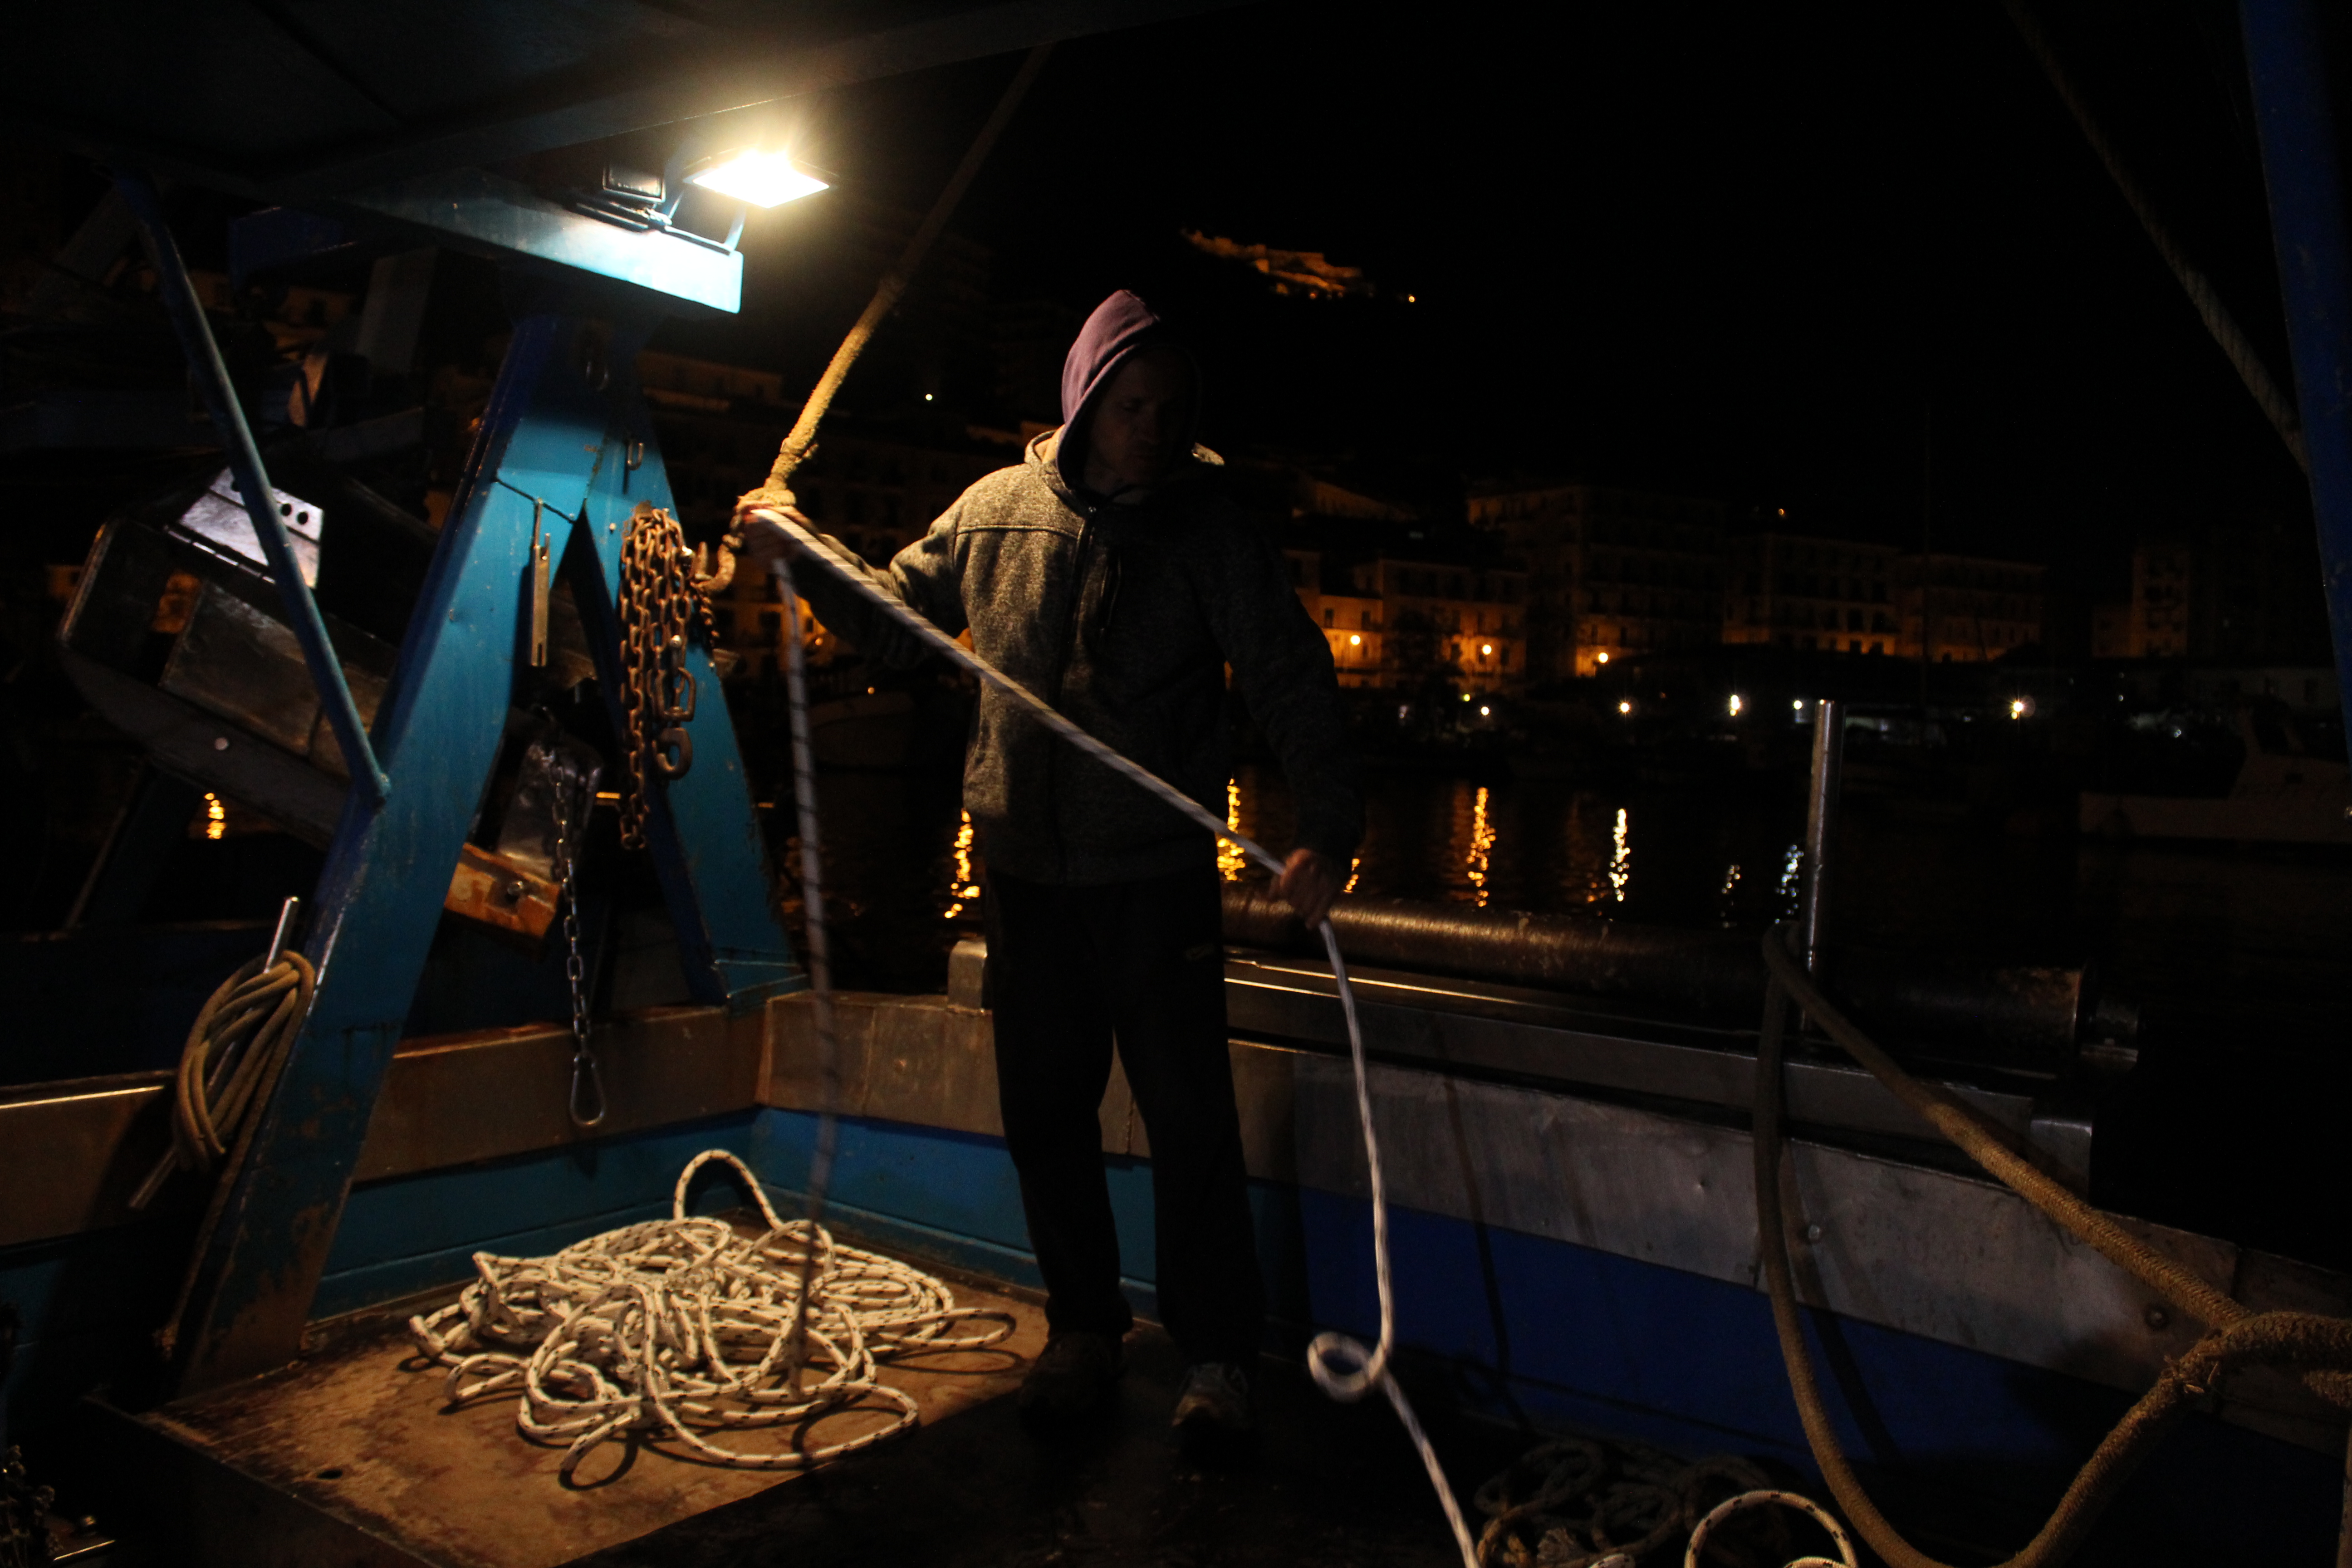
x=1624 y=706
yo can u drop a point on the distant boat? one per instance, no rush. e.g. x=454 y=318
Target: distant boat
x=2282 y=795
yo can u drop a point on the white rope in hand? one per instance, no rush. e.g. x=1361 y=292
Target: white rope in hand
x=680 y=1327
x=1343 y=1367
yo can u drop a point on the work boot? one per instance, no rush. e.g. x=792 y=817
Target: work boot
x=1071 y=1380
x=1212 y=1410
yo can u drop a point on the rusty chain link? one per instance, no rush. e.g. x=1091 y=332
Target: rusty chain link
x=662 y=597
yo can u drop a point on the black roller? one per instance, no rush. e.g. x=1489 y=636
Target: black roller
x=2024 y=1017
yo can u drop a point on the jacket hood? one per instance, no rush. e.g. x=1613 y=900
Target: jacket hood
x=1121 y=326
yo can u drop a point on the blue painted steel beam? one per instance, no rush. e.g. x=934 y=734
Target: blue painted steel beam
x=553 y=434
x=211 y=375
x=2297 y=130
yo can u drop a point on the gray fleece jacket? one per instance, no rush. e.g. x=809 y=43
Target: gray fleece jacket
x=1125 y=616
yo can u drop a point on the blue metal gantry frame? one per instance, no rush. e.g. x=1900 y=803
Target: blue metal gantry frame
x=566 y=429
x=2296 y=126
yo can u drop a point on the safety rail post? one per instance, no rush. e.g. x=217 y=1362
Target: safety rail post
x=2295 y=125
x=211 y=373
x=1820 y=825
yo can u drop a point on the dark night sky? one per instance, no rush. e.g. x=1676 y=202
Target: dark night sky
x=1739 y=252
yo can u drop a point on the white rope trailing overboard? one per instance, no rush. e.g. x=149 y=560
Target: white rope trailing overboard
x=680 y=1327
x=1342 y=1366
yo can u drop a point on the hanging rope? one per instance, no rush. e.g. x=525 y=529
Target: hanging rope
x=802 y=440
x=2275 y=405
x=678 y=1328
x=2318 y=1347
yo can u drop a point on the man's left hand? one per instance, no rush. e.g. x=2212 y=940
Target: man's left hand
x=1309 y=883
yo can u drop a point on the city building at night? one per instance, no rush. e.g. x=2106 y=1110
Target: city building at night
x=1795 y=591
x=1965 y=609
x=2222 y=592
x=1609 y=573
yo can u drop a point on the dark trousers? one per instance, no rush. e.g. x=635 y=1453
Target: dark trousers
x=1069 y=971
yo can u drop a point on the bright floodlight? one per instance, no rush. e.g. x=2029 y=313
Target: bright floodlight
x=763 y=179
x=1601 y=659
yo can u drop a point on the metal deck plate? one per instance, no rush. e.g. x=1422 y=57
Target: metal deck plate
x=351 y=1456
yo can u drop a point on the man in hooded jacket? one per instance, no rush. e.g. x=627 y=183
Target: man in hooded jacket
x=1109 y=573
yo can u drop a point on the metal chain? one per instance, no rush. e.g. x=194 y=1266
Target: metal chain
x=584 y=1071
x=662 y=598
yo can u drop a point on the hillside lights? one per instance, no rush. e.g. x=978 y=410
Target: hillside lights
x=1624 y=708
x=1735 y=705
x=763 y=178
x=2021 y=707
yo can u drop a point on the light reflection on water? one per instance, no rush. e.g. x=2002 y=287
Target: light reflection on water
x=1232 y=861
x=1482 y=846
x=961 y=889
x=1620 y=859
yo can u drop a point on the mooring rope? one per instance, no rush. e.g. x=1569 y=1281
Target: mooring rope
x=680 y=1327
x=2317 y=1347
x=1592 y=1502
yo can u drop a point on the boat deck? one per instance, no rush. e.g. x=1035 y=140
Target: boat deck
x=352 y=1457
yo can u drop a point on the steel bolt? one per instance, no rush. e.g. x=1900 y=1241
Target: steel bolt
x=220 y=743
x=2155 y=1317
x=1812 y=1233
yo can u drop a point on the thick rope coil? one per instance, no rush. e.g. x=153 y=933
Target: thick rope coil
x=676 y=1327
x=238 y=1042
x=2318 y=1347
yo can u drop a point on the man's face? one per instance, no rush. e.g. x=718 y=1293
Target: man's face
x=1138 y=424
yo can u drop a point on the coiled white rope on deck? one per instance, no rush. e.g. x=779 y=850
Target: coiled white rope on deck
x=678 y=1327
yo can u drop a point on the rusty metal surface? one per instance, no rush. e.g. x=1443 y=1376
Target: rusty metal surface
x=1948 y=1257
x=2011 y=1017
x=76 y=1150
x=918 y=1059
x=190 y=744
x=457 y=1099
x=361 y=1438
x=498 y=892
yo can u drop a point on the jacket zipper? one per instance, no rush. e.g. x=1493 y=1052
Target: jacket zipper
x=1061 y=674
